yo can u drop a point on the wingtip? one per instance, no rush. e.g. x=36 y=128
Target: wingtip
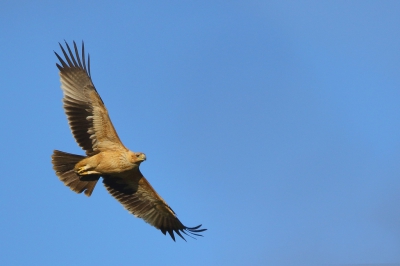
x=171 y=233
x=196 y=229
x=76 y=59
x=188 y=231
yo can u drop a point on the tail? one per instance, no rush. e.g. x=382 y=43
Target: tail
x=63 y=164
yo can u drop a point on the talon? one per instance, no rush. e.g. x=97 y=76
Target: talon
x=81 y=170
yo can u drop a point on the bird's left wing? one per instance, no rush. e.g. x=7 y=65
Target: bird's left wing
x=136 y=194
x=87 y=115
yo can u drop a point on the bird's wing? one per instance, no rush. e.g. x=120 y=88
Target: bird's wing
x=86 y=112
x=136 y=194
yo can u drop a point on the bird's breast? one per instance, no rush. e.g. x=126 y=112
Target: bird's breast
x=113 y=162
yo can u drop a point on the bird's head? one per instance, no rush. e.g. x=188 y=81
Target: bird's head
x=140 y=157
x=136 y=158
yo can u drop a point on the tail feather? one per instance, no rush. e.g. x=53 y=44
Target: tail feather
x=63 y=164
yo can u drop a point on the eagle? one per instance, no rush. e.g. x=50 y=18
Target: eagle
x=106 y=156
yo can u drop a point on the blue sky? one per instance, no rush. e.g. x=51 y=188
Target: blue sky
x=275 y=124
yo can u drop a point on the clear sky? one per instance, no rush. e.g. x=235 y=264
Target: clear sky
x=275 y=124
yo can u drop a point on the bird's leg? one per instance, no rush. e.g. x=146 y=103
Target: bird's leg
x=84 y=170
x=87 y=166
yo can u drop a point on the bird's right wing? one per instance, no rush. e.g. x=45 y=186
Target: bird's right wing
x=137 y=196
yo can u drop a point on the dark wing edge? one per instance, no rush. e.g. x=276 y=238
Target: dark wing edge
x=140 y=199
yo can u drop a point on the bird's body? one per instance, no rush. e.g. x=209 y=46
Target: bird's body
x=106 y=156
x=110 y=163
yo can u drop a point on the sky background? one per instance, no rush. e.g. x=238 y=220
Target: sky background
x=275 y=124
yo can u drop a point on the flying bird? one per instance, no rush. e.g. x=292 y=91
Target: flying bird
x=106 y=156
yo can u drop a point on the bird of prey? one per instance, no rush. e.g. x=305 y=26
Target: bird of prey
x=106 y=156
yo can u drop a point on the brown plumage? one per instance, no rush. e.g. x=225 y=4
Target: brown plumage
x=106 y=156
